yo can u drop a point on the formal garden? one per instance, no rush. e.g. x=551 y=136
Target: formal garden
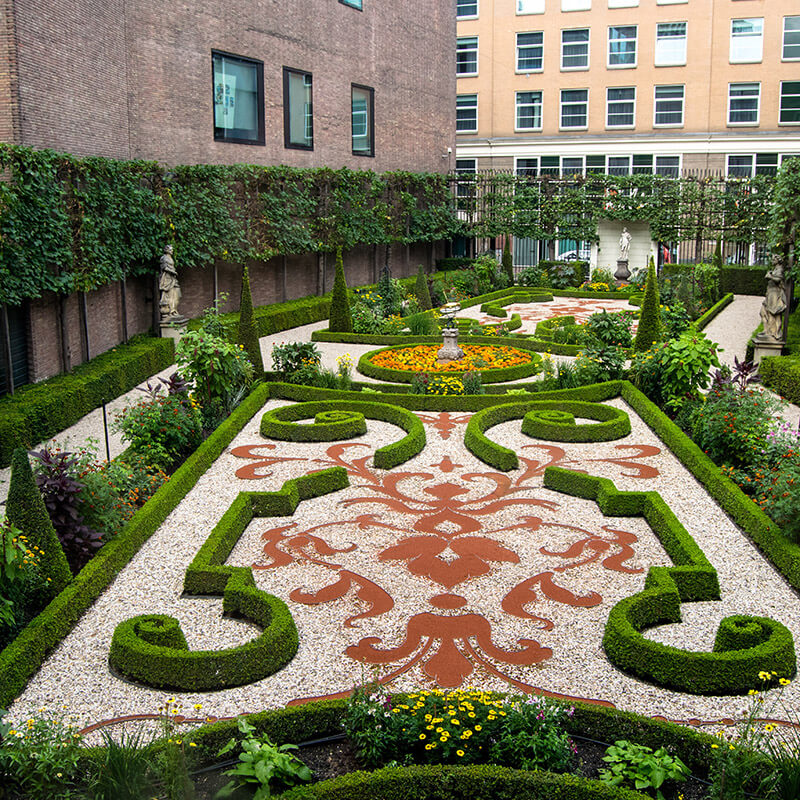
x=468 y=533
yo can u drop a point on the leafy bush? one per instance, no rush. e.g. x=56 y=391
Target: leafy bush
x=472 y=382
x=533 y=276
x=19 y=562
x=649 y=330
x=288 y=358
x=603 y=276
x=608 y=363
x=508 y=262
x=610 y=329
x=640 y=766
x=674 y=319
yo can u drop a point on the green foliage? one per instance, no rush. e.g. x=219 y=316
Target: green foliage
x=19 y=562
x=124 y=769
x=341 y=319
x=263 y=766
x=41 y=759
x=676 y=370
x=161 y=429
x=782 y=375
x=422 y=291
x=507 y=262
x=25 y=510
x=713 y=312
x=534 y=275
x=247 y=333
x=784 y=226
x=649 y=330
x=716 y=260
x=612 y=329
x=674 y=319
x=642 y=767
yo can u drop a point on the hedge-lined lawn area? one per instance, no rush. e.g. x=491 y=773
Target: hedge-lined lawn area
x=441 y=571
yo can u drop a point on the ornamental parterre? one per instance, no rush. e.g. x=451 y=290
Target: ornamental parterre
x=422 y=358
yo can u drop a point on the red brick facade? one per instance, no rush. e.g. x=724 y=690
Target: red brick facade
x=134 y=80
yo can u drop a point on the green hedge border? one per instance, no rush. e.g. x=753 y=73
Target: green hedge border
x=712 y=312
x=39 y=411
x=23 y=657
x=447 y=782
x=279 y=423
x=613 y=423
x=494 y=308
x=782 y=375
x=745 y=646
x=151 y=648
x=502 y=375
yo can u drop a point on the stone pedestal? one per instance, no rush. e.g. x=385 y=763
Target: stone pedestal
x=450 y=351
x=173 y=327
x=765 y=346
x=623 y=273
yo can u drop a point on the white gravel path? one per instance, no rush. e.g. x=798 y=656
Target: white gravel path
x=77 y=675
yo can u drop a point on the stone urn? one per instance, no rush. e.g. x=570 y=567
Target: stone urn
x=622 y=273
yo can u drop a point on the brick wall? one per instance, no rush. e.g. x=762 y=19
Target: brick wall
x=9 y=89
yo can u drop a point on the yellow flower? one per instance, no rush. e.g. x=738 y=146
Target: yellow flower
x=459 y=752
x=769 y=728
x=765 y=676
x=784 y=681
x=423 y=736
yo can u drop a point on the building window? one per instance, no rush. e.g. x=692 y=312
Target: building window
x=466 y=9
x=791 y=38
x=622 y=46
x=668 y=166
x=743 y=102
x=530 y=6
x=467 y=55
x=575 y=49
x=362 y=119
x=530 y=51
x=527 y=166
x=298 y=120
x=572 y=165
x=576 y=5
x=238 y=99
x=620 y=107
x=354 y=3
x=740 y=166
x=619 y=165
x=669 y=106
x=529 y=111
x=670 y=44
x=622 y=3
x=790 y=103
x=574 y=108
x=746 y=40
x=466 y=113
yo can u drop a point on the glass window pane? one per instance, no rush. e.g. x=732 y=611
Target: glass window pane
x=238 y=99
x=361 y=120
x=620 y=107
x=298 y=111
x=572 y=165
x=467 y=55
x=574 y=108
x=530 y=51
x=467 y=112
x=746 y=40
x=790 y=101
x=527 y=166
x=530 y=6
x=740 y=166
x=743 y=101
x=669 y=166
x=466 y=8
x=353 y=3
x=575 y=49
x=619 y=165
x=669 y=105
x=791 y=37
x=670 y=44
x=622 y=46
x=529 y=110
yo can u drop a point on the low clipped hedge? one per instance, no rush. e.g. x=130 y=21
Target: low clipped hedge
x=20 y=659
x=501 y=375
x=553 y=420
x=517 y=295
x=782 y=375
x=712 y=312
x=744 y=646
x=743 y=280
x=279 y=423
x=42 y=410
x=445 y=782
x=151 y=648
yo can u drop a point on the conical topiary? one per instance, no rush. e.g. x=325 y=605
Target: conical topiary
x=341 y=319
x=717 y=258
x=649 y=330
x=25 y=509
x=508 y=264
x=248 y=331
x=422 y=292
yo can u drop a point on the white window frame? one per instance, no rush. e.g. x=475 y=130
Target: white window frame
x=619 y=156
x=517 y=159
x=518 y=69
x=561 y=171
x=780 y=104
x=588 y=49
x=671 y=167
x=530 y=7
x=470 y=130
x=609 y=101
x=469 y=16
x=635 y=47
x=738 y=84
x=680 y=124
x=659 y=60
x=752 y=158
x=751 y=59
x=517 y=105
x=465 y=50
x=784 y=57
x=561 y=104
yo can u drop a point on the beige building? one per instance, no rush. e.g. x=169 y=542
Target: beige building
x=627 y=86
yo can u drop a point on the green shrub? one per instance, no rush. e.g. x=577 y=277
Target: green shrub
x=674 y=319
x=611 y=329
x=649 y=330
x=508 y=262
x=534 y=275
x=25 y=509
x=782 y=375
x=341 y=319
x=247 y=334
x=421 y=290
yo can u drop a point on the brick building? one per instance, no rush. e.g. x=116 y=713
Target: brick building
x=366 y=84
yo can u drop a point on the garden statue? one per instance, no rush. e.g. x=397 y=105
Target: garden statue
x=773 y=306
x=624 y=244
x=169 y=287
x=450 y=351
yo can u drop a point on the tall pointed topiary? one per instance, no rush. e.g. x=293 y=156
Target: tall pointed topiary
x=650 y=318
x=717 y=258
x=341 y=320
x=421 y=290
x=25 y=509
x=508 y=263
x=248 y=331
